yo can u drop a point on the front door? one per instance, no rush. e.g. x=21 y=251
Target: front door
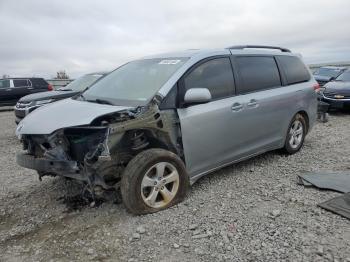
x=208 y=130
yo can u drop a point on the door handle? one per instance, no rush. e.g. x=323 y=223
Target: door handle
x=253 y=103
x=8 y=89
x=30 y=88
x=236 y=107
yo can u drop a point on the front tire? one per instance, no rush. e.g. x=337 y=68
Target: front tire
x=153 y=180
x=296 y=135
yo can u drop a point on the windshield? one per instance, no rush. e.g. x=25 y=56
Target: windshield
x=330 y=72
x=344 y=76
x=82 y=83
x=136 y=82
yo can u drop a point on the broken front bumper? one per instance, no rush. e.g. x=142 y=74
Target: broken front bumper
x=58 y=167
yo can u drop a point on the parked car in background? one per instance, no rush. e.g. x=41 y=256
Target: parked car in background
x=31 y=102
x=12 y=89
x=337 y=92
x=327 y=73
x=155 y=125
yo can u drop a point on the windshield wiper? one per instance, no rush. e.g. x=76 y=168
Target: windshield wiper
x=82 y=96
x=100 y=101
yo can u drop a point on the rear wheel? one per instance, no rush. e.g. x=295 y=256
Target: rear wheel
x=153 y=180
x=296 y=135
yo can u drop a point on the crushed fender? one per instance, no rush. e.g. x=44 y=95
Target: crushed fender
x=97 y=154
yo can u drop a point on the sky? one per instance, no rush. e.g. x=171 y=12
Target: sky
x=41 y=37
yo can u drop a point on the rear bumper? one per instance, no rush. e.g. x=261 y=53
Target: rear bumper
x=58 y=167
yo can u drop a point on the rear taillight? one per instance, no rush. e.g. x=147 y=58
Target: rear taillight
x=50 y=87
x=316 y=87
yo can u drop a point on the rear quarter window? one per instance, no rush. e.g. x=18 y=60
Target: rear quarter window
x=20 y=82
x=38 y=82
x=257 y=73
x=294 y=69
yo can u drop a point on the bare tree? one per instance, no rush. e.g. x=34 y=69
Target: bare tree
x=62 y=75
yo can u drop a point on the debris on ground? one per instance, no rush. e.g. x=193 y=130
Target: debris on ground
x=339 y=205
x=275 y=213
x=141 y=230
x=79 y=201
x=337 y=181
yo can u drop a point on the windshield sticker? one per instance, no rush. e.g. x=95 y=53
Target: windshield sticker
x=169 y=62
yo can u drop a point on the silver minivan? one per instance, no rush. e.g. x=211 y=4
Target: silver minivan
x=156 y=125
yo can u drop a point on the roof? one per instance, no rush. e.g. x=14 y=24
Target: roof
x=14 y=78
x=196 y=55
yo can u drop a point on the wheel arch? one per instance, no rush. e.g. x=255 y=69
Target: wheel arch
x=306 y=117
x=154 y=139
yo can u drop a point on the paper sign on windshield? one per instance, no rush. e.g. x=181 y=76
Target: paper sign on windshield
x=169 y=62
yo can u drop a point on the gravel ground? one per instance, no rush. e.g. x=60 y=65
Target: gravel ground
x=252 y=211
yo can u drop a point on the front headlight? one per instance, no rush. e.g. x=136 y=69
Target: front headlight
x=42 y=102
x=18 y=131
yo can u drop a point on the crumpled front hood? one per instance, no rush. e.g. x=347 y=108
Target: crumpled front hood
x=62 y=114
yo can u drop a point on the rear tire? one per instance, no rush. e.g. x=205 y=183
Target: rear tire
x=153 y=180
x=295 y=135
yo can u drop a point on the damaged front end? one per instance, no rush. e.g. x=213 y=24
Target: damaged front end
x=67 y=152
x=98 y=153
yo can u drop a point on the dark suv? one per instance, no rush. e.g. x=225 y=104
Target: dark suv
x=12 y=89
x=29 y=103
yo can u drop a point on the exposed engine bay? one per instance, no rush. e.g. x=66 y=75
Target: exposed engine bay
x=98 y=153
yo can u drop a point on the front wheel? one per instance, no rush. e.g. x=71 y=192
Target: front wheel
x=153 y=180
x=296 y=135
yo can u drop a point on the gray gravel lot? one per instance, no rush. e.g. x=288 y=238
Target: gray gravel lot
x=252 y=211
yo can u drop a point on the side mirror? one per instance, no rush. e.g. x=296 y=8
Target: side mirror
x=331 y=79
x=197 y=96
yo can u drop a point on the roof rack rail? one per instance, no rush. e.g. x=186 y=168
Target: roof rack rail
x=259 y=46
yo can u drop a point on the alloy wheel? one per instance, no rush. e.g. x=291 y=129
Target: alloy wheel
x=296 y=134
x=160 y=185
